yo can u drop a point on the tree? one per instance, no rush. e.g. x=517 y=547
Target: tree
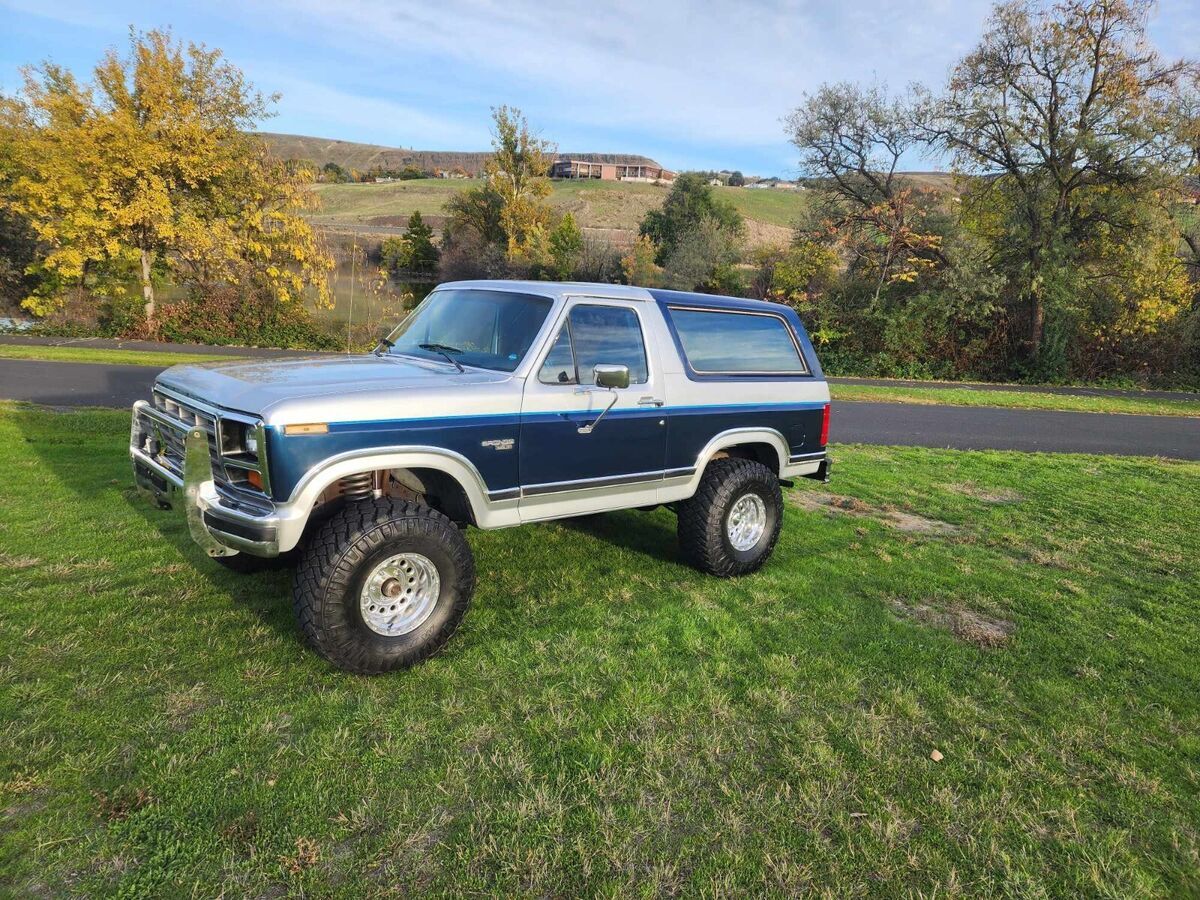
x=1066 y=112
x=795 y=274
x=477 y=211
x=638 y=265
x=508 y=210
x=333 y=173
x=704 y=258
x=19 y=248
x=689 y=202
x=566 y=245
x=414 y=252
x=852 y=140
x=736 y=179
x=153 y=166
x=516 y=174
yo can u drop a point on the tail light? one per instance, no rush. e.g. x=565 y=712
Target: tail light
x=825 y=426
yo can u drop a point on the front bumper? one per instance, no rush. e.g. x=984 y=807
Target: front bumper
x=220 y=525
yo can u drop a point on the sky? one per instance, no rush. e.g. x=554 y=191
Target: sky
x=695 y=85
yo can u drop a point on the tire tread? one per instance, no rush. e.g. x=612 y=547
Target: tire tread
x=701 y=518
x=349 y=535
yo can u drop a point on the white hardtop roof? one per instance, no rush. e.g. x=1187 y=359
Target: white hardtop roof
x=555 y=289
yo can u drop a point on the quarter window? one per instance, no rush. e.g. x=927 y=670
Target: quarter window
x=737 y=343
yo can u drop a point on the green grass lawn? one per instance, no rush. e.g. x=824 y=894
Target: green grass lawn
x=1146 y=406
x=102 y=355
x=772 y=206
x=608 y=721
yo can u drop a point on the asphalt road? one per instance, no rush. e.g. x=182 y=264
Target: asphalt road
x=961 y=427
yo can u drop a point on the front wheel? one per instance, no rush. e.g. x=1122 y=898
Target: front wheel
x=730 y=526
x=382 y=585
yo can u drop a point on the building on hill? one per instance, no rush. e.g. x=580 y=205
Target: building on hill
x=565 y=167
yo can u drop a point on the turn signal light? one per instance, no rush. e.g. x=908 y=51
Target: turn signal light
x=310 y=428
x=825 y=426
x=254 y=478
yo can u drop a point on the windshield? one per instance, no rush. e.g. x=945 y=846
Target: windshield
x=488 y=329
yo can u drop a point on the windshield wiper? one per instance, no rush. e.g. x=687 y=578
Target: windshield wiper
x=383 y=347
x=445 y=350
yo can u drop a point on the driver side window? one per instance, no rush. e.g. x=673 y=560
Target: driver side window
x=592 y=336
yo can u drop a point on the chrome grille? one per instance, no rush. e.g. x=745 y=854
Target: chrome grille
x=162 y=437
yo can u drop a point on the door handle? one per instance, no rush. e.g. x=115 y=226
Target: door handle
x=650 y=401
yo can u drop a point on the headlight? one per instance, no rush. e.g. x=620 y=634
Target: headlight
x=238 y=437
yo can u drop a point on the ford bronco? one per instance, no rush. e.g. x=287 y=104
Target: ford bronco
x=493 y=403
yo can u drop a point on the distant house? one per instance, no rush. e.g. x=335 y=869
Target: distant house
x=564 y=167
x=764 y=184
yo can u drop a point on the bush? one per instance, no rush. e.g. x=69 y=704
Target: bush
x=229 y=315
x=468 y=255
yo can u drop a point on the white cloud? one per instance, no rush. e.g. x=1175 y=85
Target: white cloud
x=724 y=73
x=336 y=113
x=693 y=83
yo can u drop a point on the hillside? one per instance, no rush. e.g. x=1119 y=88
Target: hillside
x=352 y=155
x=612 y=209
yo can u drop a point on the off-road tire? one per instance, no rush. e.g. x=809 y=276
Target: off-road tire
x=340 y=556
x=703 y=540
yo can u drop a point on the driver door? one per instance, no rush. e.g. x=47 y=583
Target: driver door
x=566 y=471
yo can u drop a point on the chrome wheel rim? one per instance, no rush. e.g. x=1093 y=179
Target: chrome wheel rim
x=400 y=594
x=747 y=522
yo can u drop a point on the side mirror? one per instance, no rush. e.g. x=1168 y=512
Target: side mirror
x=611 y=376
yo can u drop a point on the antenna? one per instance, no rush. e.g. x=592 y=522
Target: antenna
x=350 y=315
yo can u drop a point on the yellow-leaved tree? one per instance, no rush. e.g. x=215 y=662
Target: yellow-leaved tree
x=516 y=174
x=152 y=169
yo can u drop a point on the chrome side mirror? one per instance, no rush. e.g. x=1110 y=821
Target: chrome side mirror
x=614 y=378
x=611 y=376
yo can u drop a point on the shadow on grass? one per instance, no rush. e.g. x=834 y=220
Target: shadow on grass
x=639 y=532
x=78 y=448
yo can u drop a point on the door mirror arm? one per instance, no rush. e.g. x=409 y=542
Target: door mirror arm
x=612 y=378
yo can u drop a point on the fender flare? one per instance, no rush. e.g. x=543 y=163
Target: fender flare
x=683 y=489
x=736 y=436
x=488 y=512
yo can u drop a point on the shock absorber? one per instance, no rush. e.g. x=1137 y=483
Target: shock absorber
x=358 y=487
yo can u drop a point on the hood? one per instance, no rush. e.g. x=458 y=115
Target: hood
x=256 y=387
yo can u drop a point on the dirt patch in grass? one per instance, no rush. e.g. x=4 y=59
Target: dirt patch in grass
x=307 y=855
x=986 y=495
x=965 y=624
x=852 y=506
x=114 y=806
x=9 y=561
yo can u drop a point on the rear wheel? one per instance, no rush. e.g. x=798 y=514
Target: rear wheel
x=382 y=585
x=730 y=526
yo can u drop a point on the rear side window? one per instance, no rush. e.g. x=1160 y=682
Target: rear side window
x=735 y=343
x=592 y=336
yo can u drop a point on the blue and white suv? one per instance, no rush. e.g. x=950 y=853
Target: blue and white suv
x=494 y=403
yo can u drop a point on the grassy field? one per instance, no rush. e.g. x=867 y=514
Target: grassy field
x=608 y=721
x=103 y=355
x=606 y=205
x=1145 y=406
